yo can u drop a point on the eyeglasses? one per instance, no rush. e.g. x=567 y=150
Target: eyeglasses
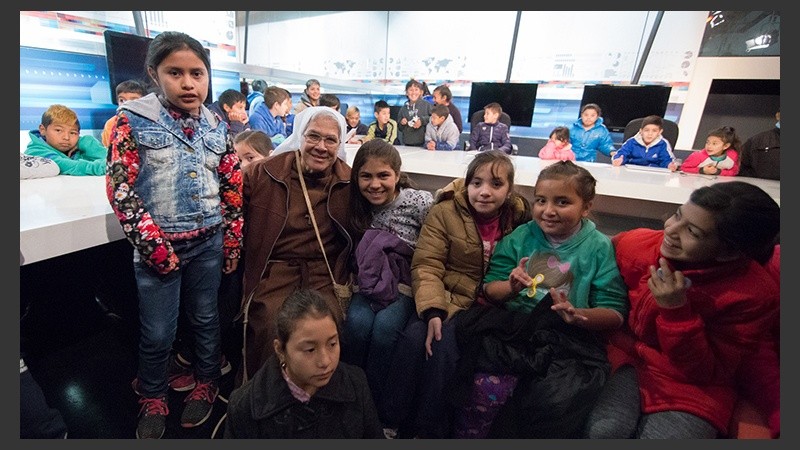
x=314 y=139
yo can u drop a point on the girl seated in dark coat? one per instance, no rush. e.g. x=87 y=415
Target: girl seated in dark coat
x=303 y=391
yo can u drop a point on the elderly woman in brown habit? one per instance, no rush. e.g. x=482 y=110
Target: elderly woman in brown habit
x=283 y=246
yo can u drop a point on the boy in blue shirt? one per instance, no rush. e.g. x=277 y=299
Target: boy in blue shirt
x=268 y=116
x=59 y=139
x=647 y=147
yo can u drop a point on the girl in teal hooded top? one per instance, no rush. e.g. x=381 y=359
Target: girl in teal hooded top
x=560 y=252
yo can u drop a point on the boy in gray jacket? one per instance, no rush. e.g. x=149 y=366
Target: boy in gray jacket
x=413 y=116
x=441 y=133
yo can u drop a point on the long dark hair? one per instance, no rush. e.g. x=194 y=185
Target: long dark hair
x=747 y=218
x=256 y=139
x=510 y=217
x=581 y=179
x=169 y=42
x=361 y=216
x=728 y=136
x=300 y=304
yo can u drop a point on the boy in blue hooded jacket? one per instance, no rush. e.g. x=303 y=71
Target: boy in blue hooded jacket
x=647 y=147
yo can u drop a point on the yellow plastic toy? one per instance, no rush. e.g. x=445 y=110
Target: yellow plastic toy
x=536 y=280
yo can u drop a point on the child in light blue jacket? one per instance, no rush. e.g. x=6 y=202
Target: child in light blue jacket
x=588 y=135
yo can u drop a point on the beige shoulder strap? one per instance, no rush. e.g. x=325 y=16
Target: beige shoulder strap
x=311 y=212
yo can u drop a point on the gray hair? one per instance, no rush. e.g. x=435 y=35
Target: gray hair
x=301 y=121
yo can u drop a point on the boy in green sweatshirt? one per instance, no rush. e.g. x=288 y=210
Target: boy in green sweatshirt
x=58 y=138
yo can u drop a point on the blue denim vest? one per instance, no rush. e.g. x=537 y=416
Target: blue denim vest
x=177 y=180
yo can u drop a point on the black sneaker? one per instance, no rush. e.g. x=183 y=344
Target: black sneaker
x=181 y=374
x=199 y=404
x=152 y=418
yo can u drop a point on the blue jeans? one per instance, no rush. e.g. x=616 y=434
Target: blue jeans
x=369 y=338
x=195 y=284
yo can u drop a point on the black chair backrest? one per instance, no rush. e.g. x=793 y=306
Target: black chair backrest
x=394 y=111
x=477 y=117
x=670 y=132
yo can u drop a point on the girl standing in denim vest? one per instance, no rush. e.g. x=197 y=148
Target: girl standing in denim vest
x=174 y=182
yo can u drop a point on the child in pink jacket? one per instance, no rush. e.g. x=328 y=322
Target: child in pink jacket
x=558 y=146
x=719 y=156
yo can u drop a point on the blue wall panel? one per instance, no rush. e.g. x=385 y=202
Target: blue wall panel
x=78 y=81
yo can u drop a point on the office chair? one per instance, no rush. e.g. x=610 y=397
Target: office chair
x=394 y=111
x=670 y=132
x=477 y=117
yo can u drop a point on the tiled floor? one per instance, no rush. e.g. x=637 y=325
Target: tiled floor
x=85 y=359
x=89 y=382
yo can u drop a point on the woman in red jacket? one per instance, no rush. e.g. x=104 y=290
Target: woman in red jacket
x=700 y=302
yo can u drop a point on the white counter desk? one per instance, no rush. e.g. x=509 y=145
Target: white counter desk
x=628 y=192
x=64 y=214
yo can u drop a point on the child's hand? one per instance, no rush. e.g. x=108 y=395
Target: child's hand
x=434 y=332
x=431 y=145
x=668 y=288
x=403 y=121
x=617 y=161
x=564 y=308
x=238 y=116
x=709 y=170
x=230 y=265
x=519 y=278
x=171 y=264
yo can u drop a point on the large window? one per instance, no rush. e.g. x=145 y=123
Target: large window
x=560 y=50
x=561 y=47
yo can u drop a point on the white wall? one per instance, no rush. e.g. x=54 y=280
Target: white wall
x=708 y=69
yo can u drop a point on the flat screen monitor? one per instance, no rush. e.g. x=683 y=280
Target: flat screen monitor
x=126 y=55
x=742 y=33
x=621 y=104
x=516 y=99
